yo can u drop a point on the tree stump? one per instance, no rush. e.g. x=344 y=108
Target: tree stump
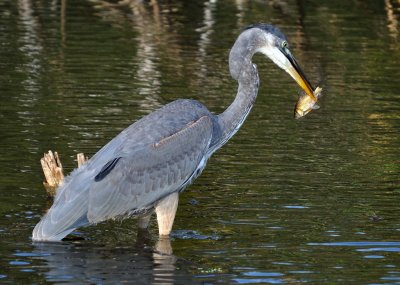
x=53 y=171
x=81 y=159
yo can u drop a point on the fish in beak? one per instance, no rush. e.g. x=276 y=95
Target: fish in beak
x=308 y=100
x=282 y=57
x=305 y=104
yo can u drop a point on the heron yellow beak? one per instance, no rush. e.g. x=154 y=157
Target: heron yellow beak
x=282 y=57
x=298 y=75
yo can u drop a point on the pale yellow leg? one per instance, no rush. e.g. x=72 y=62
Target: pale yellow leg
x=165 y=211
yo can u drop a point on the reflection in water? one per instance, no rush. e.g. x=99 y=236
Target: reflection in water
x=147 y=72
x=30 y=47
x=205 y=31
x=392 y=20
x=147 y=23
x=153 y=33
x=240 y=13
x=62 y=22
x=82 y=262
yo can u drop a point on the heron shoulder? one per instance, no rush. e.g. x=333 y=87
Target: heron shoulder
x=166 y=121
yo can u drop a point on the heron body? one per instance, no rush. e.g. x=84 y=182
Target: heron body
x=146 y=166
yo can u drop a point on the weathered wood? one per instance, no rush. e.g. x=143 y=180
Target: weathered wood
x=81 y=159
x=53 y=170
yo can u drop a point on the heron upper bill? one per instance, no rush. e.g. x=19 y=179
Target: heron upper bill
x=298 y=75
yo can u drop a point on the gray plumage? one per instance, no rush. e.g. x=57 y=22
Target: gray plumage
x=158 y=155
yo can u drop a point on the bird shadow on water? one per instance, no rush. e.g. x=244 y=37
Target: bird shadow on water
x=78 y=260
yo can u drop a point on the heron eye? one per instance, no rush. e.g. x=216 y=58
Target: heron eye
x=285 y=44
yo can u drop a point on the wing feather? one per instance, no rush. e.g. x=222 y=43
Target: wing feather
x=149 y=173
x=106 y=169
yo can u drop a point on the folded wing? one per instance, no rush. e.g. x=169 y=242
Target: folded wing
x=134 y=182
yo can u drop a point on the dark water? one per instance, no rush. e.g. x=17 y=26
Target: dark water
x=311 y=201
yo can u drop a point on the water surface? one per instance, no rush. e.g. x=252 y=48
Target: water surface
x=285 y=201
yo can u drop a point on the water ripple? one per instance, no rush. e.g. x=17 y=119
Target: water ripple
x=356 y=243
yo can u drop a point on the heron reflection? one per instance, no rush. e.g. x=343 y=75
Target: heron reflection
x=73 y=262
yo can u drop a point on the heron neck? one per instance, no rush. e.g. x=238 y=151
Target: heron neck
x=233 y=117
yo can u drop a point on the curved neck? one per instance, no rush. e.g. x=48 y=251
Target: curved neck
x=245 y=72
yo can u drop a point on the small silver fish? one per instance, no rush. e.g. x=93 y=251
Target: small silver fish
x=306 y=103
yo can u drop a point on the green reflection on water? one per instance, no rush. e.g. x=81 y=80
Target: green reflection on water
x=75 y=73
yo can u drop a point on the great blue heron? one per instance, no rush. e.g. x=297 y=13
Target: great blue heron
x=149 y=163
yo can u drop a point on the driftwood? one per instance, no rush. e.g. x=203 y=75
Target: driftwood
x=53 y=170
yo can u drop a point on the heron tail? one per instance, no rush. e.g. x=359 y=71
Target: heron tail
x=69 y=210
x=45 y=230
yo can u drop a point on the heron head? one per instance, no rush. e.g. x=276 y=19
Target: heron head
x=273 y=43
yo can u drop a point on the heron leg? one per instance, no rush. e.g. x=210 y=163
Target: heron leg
x=144 y=220
x=166 y=210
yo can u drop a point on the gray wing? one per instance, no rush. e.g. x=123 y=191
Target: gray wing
x=135 y=181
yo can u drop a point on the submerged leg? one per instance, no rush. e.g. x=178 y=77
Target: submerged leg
x=144 y=220
x=143 y=235
x=165 y=211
